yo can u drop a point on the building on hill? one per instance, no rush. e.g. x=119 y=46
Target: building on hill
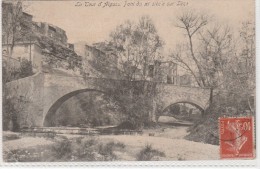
x=98 y=60
x=54 y=32
x=109 y=51
x=84 y=50
x=13 y=15
x=35 y=41
x=30 y=51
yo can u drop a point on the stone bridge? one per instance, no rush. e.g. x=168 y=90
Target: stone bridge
x=44 y=93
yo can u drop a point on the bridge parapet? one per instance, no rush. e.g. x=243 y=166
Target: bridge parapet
x=45 y=90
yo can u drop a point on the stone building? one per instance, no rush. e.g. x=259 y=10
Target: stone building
x=98 y=60
x=26 y=28
x=25 y=50
x=185 y=80
x=54 y=32
x=30 y=38
x=166 y=72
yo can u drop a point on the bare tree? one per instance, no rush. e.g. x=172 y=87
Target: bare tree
x=208 y=61
x=192 y=23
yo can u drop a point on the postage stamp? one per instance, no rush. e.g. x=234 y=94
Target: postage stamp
x=88 y=81
x=236 y=137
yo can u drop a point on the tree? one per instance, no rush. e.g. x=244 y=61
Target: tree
x=230 y=69
x=137 y=46
x=16 y=27
x=206 y=61
x=192 y=23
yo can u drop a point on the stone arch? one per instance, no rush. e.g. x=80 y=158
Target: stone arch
x=198 y=105
x=56 y=105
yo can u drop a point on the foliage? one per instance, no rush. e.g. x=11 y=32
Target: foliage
x=57 y=55
x=89 y=109
x=16 y=26
x=12 y=73
x=135 y=100
x=10 y=115
x=137 y=45
x=12 y=107
x=26 y=68
x=224 y=63
x=62 y=150
x=225 y=104
x=148 y=154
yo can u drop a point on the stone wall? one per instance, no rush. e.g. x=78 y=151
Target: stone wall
x=168 y=94
x=27 y=94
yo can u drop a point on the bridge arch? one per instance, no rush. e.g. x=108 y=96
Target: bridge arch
x=196 y=104
x=193 y=103
x=57 y=104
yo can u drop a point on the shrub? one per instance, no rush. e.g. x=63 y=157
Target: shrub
x=92 y=150
x=26 y=68
x=107 y=152
x=206 y=129
x=62 y=149
x=148 y=154
x=84 y=150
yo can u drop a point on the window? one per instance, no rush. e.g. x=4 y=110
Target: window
x=26 y=48
x=3 y=38
x=4 y=52
x=169 y=79
x=151 y=71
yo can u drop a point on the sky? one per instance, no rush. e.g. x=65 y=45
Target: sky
x=94 y=24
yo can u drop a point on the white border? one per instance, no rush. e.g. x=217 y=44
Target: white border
x=186 y=164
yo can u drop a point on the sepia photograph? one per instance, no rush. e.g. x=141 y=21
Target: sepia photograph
x=128 y=80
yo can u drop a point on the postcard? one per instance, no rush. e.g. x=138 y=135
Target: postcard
x=88 y=81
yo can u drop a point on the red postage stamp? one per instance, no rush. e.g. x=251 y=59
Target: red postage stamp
x=236 y=137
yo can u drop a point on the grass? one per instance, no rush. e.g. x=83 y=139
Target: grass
x=148 y=154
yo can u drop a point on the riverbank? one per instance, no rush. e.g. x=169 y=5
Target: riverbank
x=168 y=140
